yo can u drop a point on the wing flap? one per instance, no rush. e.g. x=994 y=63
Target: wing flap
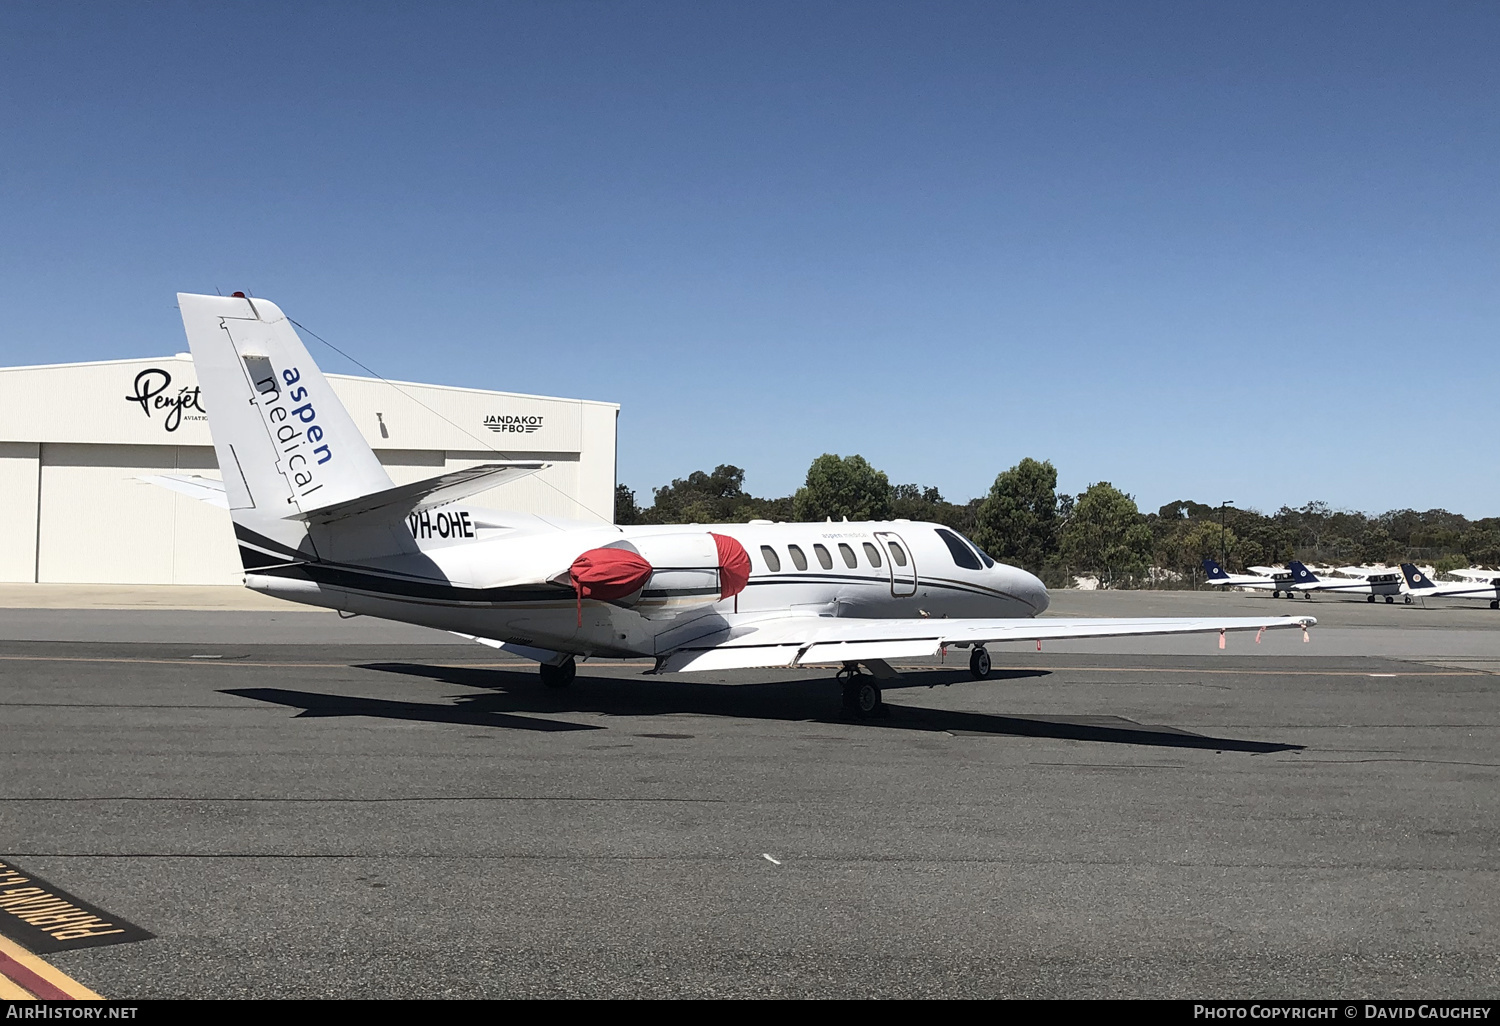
x=739 y=657
x=828 y=639
x=860 y=651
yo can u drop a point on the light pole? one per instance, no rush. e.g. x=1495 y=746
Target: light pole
x=1223 y=517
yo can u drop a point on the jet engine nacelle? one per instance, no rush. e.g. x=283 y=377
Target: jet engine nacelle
x=669 y=574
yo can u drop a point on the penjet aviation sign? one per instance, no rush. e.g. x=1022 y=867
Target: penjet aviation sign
x=152 y=390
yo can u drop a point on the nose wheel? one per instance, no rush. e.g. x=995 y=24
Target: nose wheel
x=979 y=662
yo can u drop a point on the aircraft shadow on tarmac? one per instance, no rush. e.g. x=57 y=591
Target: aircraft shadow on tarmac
x=509 y=696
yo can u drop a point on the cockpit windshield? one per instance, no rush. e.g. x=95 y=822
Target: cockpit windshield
x=962 y=553
x=989 y=560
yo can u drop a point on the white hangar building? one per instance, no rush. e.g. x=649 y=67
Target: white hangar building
x=76 y=438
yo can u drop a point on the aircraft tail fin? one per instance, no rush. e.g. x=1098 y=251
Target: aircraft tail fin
x=1300 y=573
x=1416 y=580
x=1214 y=570
x=285 y=443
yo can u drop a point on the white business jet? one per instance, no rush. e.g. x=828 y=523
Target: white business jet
x=1423 y=586
x=319 y=522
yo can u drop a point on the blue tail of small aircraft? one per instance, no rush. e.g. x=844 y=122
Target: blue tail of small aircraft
x=1214 y=570
x=1301 y=574
x=1416 y=580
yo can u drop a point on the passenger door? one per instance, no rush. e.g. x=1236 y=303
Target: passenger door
x=899 y=559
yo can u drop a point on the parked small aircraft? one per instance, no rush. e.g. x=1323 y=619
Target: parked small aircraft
x=1386 y=583
x=319 y=522
x=1278 y=582
x=1422 y=586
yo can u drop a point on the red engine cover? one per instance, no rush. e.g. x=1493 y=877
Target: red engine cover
x=734 y=566
x=608 y=574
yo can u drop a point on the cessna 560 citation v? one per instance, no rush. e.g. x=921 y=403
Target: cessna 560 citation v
x=318 y=521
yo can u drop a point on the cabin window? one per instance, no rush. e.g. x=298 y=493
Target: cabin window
x=848 y=555
x=773 y=561
x=797 y=557
x=896 y=553
x=962 y=554
x=872 y=554
x=824 y=559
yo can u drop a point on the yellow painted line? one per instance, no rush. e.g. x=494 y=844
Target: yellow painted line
x=13 y=992
x=50 y=974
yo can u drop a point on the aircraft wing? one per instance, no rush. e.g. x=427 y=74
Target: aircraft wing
x=1477 y=575
x=800 y=640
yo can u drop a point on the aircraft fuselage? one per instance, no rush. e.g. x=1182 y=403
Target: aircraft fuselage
x=502 y=576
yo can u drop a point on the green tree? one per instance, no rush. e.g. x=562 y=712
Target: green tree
x=843 y=487
x=916 y=502
x=1448 y=564
x=699 y=498
x=626 y=511
x=1106 y=534
x=1017 y=522
x=1189 y=542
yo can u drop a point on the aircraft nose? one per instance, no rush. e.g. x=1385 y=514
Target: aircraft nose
x=1028 y=587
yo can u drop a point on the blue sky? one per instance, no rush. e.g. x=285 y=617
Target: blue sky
x=1201 y=250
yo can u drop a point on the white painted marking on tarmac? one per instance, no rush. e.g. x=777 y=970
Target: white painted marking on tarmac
x=206 y=657
x=768 y=858
x=1380 y=674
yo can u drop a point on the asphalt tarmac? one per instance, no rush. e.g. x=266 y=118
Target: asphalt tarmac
x=302 y=808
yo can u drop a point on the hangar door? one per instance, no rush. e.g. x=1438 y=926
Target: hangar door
x=98 y=524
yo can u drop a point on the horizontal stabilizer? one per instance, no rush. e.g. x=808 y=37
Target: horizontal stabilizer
x=204 y=489
x=420 y=495
x=537 y=655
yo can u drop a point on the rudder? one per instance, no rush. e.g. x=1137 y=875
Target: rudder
x=284 y=441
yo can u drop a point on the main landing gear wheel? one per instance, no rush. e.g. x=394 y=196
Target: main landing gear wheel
x=979 y=663
x=861 y=695
x=559 y=676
